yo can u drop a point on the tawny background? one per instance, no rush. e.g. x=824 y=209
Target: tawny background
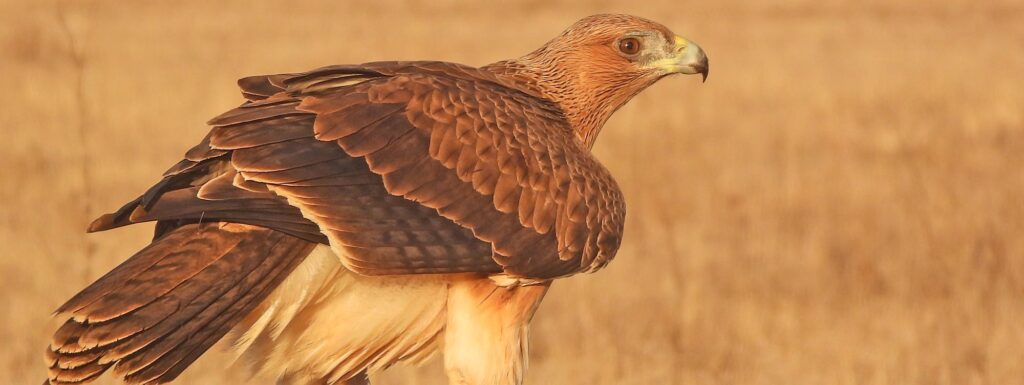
x=841 y=203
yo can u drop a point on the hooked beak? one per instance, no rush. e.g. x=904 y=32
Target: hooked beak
x=693 y=60
x=689 y=59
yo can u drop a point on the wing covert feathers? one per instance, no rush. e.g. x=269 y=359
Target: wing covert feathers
x=153 y=315
x=496 y=160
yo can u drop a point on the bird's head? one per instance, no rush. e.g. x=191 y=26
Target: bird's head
x=600 y=62
x=609 y=47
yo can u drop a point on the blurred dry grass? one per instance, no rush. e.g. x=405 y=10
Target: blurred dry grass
x=841 y=203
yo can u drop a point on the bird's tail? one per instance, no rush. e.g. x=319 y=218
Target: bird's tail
x=153 y=315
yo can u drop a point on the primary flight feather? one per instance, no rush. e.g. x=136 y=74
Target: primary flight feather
x=352 y=217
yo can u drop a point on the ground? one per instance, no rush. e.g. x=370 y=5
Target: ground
x=841 y=202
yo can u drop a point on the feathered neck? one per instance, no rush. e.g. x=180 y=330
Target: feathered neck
x=588 y=91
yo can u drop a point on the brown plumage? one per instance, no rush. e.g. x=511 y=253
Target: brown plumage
x=402 y=168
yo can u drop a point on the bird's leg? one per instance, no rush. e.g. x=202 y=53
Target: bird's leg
x=486 y=337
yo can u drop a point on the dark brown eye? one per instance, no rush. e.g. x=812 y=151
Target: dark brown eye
x=629 y=46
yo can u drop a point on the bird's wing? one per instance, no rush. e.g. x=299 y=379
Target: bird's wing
x=502 y=164
x=415 y=167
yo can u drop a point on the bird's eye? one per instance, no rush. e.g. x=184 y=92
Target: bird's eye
x=629 y=46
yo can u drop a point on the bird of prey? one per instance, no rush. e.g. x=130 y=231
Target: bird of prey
x=351 y=217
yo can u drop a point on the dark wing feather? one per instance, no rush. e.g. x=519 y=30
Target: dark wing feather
x=205 y=188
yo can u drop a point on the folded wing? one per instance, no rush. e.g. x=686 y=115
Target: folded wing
x=402 y=167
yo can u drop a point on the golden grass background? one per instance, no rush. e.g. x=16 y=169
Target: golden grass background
x=841 y=203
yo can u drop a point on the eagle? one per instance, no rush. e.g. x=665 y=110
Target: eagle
x=352 y=217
